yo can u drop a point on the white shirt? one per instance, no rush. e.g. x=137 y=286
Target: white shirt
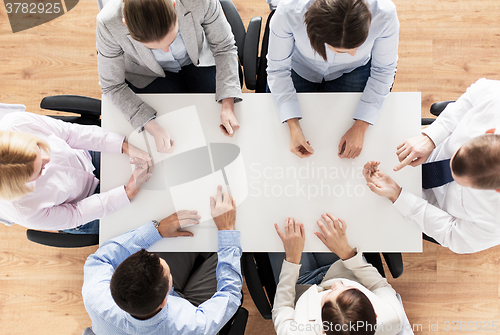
x=463 y=219
x=289 y=48
x=175 y=58
x=63 y=195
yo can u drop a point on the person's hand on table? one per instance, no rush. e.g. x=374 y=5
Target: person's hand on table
x=229 y=125
x=414 y=151
x=293 y=239
x=298 y=143
x=169 y=226
x=223 y=210
x=141 y=174
x=163 y=141
x=334 y=236
x=379 y=182
x=351 y=143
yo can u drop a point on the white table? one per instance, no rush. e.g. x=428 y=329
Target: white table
x=274 y=183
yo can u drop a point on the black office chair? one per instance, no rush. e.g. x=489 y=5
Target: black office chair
x=246 y=41
x=262 y=287
x=89 y=110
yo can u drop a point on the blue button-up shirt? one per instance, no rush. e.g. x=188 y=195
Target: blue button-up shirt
x=179 y=316
x=289 y=48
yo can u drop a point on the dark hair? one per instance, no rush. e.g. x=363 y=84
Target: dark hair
x=339 y=23
x=139 y=285
x=351 y=306
x=149 y=20
x=479 y=160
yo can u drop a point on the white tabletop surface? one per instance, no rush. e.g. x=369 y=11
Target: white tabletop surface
x=267 y=181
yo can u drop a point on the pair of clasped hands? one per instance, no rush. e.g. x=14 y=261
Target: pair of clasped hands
x=143 y=168
x=229 y=125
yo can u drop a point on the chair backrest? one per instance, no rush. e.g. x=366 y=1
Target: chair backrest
x=88 y=331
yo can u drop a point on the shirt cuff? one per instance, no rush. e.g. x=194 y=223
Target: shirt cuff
x=366 y=112
x=354 y=261
x=149 y=233
x=142 y=127
x=405 y=202
x=229 y=238
x=289 y=110
x=436 y=133
x=113 y=143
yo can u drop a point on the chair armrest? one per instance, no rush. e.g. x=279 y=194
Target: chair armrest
x=87 y=107
x=374 y=259
x=251 y=52
x=438 y=107
x=62 y=240
x=394 y=261
x=254 y=285
x=427 y=121
x=239 y=323
x=261 y=71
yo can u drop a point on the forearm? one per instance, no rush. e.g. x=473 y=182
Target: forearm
x=283 y=308
x=366 y=274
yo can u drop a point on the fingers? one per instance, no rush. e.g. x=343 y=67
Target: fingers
x=278 y=230
x=212 y=204
x=228 y=130
x=373 y=188
x=219 y=194
x=344 y=225
x=400 y=148
x=308 y=147
x=342 y=145
x=405 y=162
x=185 y=214
x=321 y=237
x=188 y=222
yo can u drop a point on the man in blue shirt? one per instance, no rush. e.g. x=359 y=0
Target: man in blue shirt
x=128 y=290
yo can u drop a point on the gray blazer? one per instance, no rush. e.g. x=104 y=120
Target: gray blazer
x=208 y=39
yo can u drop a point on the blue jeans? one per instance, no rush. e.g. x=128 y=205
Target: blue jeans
x=91 y=227
x=314 y=267
x=190 y=79
x=354 y=81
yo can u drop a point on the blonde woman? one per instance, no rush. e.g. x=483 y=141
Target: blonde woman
x=49 y=173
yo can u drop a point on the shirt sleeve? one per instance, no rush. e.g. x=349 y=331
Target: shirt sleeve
x=111 y=69
x=75 y=135
x=279 y=67
x=216 y=312
x=100 y=266
x=451 y=116
x=383 y=69
x=459 y=235
x=222 y=45
x=71 y=215
x=283 y=308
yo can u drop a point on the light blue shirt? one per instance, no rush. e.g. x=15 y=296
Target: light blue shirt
x=175 y=58
x=179 y=316
x=289 y=48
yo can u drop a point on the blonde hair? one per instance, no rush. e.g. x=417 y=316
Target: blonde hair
x=17 y=154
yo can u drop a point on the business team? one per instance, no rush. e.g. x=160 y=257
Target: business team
x=50 y=169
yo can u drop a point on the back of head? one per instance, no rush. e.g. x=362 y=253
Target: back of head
x=149 y=20
x=341 y=24
x=17 y=154
x=479 y=160
x=138 y=285
x=352 y=314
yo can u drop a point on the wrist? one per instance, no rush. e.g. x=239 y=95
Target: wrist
x=293 y=125
x=362 y=125
x=293 y=259
x=347 y=254
x=228 y=105
x=125 y=148
x=430 y=141
x=393 y=197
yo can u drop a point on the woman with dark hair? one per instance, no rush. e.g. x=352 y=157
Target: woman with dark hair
x=166 y=46
x=352 y=298
x=332 y=46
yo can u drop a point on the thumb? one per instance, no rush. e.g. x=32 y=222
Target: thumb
x=228 y=127
x=212 y=203
x=308 y=147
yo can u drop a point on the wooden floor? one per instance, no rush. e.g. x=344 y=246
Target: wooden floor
x=445 y=45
